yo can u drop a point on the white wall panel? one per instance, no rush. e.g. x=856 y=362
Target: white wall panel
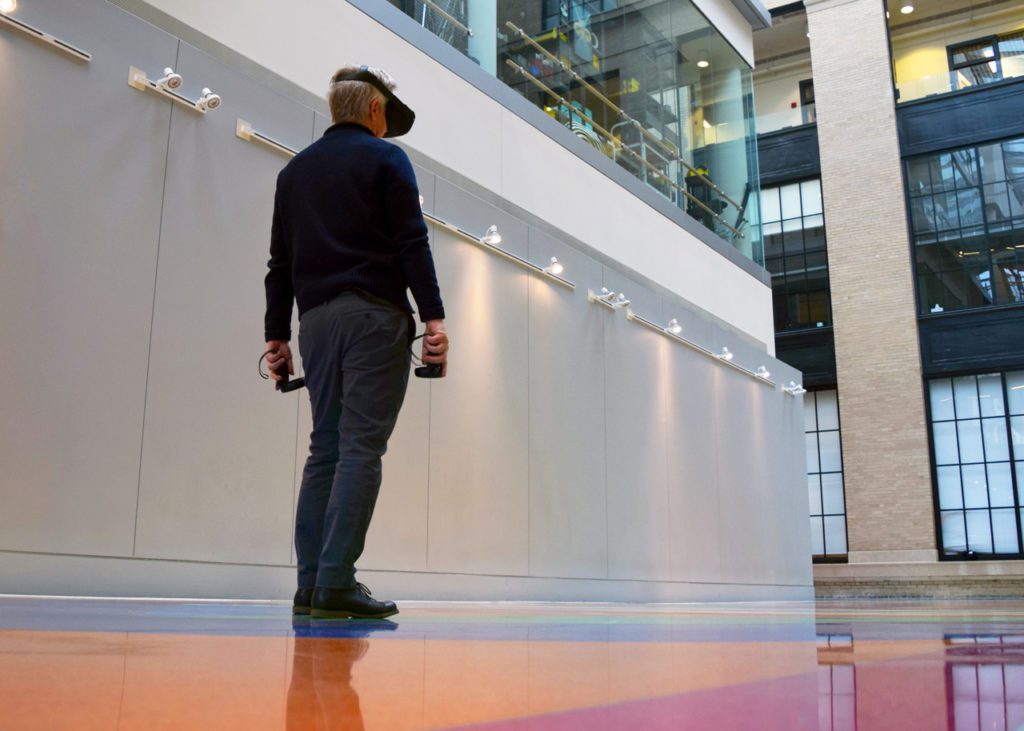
x=692 y=453
x=479 y=488
x=81 y=176
x=637 y=398
x=568 y=500
x=219 y=445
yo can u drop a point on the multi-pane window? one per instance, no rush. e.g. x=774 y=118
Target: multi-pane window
x=825 y=474
x=985 y=60
x=793 y=227
x=967 y=216
x=978 y=438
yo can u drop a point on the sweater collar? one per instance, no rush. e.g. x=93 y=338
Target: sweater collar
x=347 y=125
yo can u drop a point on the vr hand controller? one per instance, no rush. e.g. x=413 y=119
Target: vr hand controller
x=284 y=385
x=426 y=370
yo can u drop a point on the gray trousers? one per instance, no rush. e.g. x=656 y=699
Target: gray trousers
x=355 y=354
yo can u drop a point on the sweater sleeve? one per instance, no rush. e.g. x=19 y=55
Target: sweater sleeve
x=410 y=236
x=278 y=282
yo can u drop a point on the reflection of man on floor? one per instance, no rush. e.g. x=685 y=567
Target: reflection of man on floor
x=348 y=239
x=320 y=695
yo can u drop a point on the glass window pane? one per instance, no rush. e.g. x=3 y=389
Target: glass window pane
x=1000 y=485
x=1017 y=435
x=944 y=434
x=968 y=203
x=975 y=486
x=949 y=488
x=954 y=537
x=1004 y=531
x=979 y=531
x=828 y=446
x=966 y=392
x=991 y=157
x=941 y=391
x=1015 y=391
x=790 y=195
x=812 y=453
x=990 y=387
x=770 y=210
x=832 y=494
x=828 y=410
x=817 y=537
x=810 y=420
x=969 y=436
x=810 y=196
x=835 y=535
x=814 y=494
x=996 y=449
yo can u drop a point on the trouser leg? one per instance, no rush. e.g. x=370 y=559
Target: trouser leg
x=375 y=374
x=356 y=361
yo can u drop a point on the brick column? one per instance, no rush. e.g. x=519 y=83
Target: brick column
x=885 y=440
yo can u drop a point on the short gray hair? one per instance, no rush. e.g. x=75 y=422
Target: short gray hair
x=350 y=100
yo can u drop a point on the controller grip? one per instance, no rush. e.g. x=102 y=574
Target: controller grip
x=285 y=385
x=431 y=370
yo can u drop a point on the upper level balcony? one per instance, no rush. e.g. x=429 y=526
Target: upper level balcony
x=945 y=46
x=650 y=84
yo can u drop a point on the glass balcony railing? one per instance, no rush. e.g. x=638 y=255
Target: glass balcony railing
x=944 y=82
x=650 y=84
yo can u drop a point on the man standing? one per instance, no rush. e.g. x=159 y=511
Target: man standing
x=348 y=239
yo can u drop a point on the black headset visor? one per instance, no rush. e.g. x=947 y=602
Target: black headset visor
x=399 y=117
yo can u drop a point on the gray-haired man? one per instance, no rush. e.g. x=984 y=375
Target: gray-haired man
x=348 y=239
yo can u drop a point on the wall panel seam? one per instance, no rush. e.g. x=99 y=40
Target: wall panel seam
x=152 y=310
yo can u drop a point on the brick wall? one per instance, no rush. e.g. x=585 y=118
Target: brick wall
x=885 y=443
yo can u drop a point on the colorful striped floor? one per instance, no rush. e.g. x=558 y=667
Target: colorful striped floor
x=124 y=664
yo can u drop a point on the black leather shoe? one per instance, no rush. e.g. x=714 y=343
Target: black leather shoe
x=349 y=603
x=303 y=601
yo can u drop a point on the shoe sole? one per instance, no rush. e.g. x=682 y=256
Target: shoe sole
x=340 y=614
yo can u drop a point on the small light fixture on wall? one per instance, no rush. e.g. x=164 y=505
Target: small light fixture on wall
x=619 y=302
x=169 y=81
x=555 y=267
x=8 y=6
x=762 y=372
x=673 y=327
x=208 y=101
x=726 y=354
x=703 y=63
x=794 y=389
x=907 y=9
x=491 y=236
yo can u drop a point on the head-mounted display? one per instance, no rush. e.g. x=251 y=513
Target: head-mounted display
x=399 y=117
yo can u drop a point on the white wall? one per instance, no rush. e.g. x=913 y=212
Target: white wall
x=774 y=94
x=463 y=128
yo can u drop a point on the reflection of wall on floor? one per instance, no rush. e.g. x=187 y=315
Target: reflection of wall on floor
x=569 y=453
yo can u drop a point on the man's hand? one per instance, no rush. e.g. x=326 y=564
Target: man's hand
x=435 y=345
x=278 y=354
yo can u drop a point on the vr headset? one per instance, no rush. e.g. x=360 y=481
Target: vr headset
x=399 y=117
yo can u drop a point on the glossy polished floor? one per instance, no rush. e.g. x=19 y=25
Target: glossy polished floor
x=106 y=664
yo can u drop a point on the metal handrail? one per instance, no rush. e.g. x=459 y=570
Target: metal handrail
x=583 y=115
x=643 y=131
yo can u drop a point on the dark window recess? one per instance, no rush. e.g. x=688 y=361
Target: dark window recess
x=967 y=221
x=807 y=101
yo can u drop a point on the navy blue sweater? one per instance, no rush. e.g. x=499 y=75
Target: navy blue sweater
x=347 y=216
